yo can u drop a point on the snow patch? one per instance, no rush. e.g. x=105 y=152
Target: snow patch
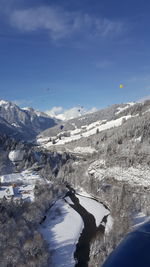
x=16 y=155
x=94 y=207
x=120 y=109
x=138 y=139
x=109 y=224
x=148 y=110
x=15 y=125
x=83 y=150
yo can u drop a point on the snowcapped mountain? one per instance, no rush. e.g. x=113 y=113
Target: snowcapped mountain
x=25 y=123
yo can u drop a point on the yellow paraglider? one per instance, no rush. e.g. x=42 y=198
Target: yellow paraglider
x=121 y=86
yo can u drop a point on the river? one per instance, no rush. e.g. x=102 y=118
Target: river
x=70 y=225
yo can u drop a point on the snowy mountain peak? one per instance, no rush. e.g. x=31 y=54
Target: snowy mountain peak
x=6 y=103
x=26 y=122
x=3 y=102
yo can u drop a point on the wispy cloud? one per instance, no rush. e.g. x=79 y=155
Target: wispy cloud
x=62 y=114
x=55 y=111
x=104 y=64
x=61 y=24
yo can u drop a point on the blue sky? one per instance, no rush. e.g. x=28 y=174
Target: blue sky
x=70 y=52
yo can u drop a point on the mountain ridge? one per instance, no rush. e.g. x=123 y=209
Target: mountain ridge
x=23 y=123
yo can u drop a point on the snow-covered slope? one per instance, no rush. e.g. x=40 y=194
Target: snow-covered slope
x=94 y=207
x=86 y=131
x=88 y=126
x=85 y=120
x=25 y=123
x=61 y=230
x=122 y=108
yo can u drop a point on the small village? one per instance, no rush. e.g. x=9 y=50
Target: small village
x=16 y=192
x=18 y=185
x=13 y=189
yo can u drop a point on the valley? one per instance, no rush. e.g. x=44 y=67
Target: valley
x=72 y=194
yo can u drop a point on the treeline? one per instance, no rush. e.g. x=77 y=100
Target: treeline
x=126 y=145
x=38 y=159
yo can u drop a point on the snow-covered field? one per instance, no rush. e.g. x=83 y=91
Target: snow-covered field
x=61 y=230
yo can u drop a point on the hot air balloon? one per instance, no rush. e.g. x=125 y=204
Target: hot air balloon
x=121 y=86
x=80 y=108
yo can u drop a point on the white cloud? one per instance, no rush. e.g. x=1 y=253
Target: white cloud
x=46 y=18
x=143 y=99
x=62 y=114
x=70 y=113
x=54 y=111
x=61 y=24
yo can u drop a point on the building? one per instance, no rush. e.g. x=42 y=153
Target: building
x=9 y=192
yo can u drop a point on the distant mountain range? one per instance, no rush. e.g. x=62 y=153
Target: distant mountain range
x=23 y=123
x=29 y=124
